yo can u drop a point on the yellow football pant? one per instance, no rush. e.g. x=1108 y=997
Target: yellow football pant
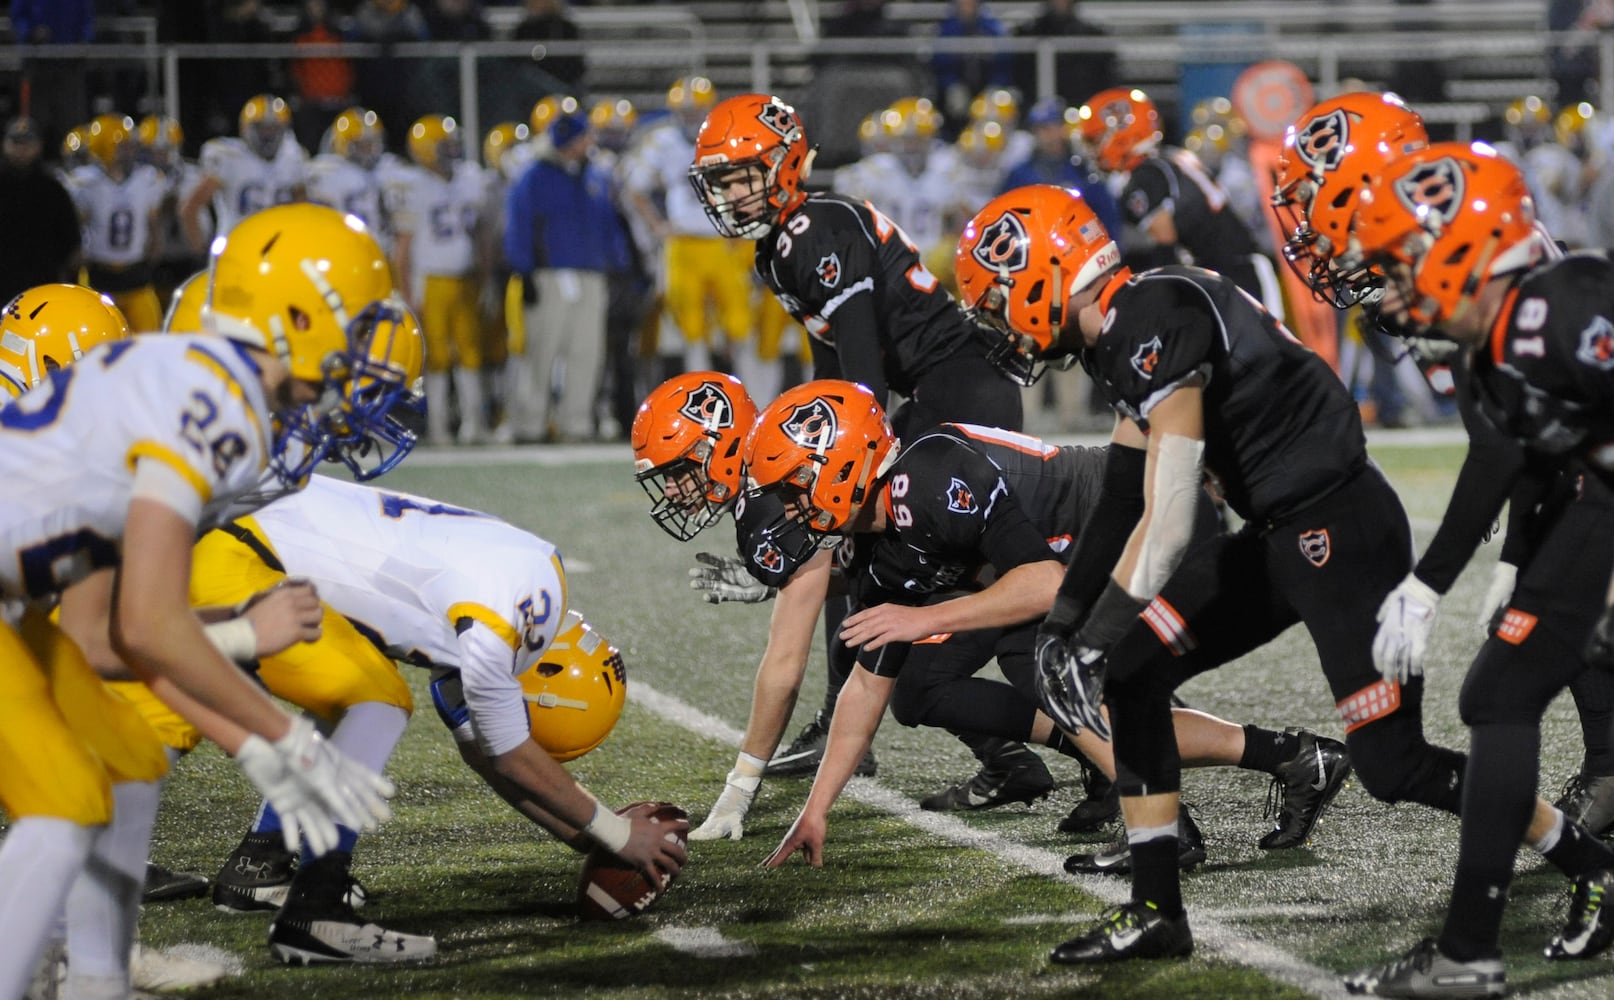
x=451 y=319
x=141 y=308
x=65 y=737
x=709 y=269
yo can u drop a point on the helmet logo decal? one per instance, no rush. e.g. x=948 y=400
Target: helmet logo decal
x=811 y=425
x=769 y=557
x=960 y=498
x=779 y=119
x=1116 y=113
x=1003 y=243
x=1314 y=546
x=1597 y=345
x=829 y=270
x=709 y=406
x=1322 y=142
x=1147 y=357
x=1433 y=192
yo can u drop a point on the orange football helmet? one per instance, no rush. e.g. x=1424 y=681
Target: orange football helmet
x=687 y=438
x=1121 y=127
x=1329 y=156
x=1441 y=221
x=821 y=446
x=751 y=161
x=1019 y=261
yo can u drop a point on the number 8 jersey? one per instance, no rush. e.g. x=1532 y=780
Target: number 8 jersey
x=69 y=449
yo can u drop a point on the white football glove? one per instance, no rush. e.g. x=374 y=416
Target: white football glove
x=351 y=793
x=725 y=579
x=301 y=813
x=1497 y=595
x=1406 y=618
x=727 y=818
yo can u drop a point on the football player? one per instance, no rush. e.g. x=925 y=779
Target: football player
x=242 y=174
x=150 y=438
x=119 y=202
x=1170 y=197
x=350 y=176
x=1220 y=385
x=1453 y=229
x=438 y=205
x=161 y=146
x=959 y=505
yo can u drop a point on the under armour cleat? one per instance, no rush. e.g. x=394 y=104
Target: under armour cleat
x=1303 y=787
x=801 y=758
x=1116 y=859
x=1589 y=801
x=1132 y=930
x=257 y=876
x=1425 y=972
x=318 y=925
x=164 y=884
x=1590 y=929
x=1012 y=774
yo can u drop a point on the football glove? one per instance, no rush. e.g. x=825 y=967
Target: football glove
x=1070 y=684
x=302 y=816
x=1599 y=651
x=1497 y=596
x=727 y=819
x=351 y=793
x=723 y=579
x=1406 y=618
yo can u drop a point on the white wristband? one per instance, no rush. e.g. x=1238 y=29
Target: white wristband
x=234 y=637
x=749 y=765
x=608 y=829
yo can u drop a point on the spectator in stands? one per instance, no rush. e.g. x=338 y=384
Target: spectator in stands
x=1075 y=73
x=863 y=19
x=324 y=83
x=962 y=75
x=386 y=83
x=55 y=86
x=456 y=21
x=1574 y=65
x=547 y=21
x=33 y=201
x=233 y=82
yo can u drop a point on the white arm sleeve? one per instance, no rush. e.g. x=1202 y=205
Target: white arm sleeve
x=156 y=480
x=1178 y=479
x=492 y=693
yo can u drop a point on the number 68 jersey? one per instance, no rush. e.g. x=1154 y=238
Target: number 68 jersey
x=70 y=446
x=431 y=584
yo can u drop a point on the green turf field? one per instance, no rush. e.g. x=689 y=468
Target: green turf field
x=909 y=904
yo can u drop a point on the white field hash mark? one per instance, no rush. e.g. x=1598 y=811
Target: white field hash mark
x=1209 y=933
x=704 y=942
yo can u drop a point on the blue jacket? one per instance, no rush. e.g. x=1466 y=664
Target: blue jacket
x=1069 y=172
x=974 y=71
x=71 y=22
x=555 y=218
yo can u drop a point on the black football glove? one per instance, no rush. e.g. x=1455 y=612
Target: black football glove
x=1599 y=651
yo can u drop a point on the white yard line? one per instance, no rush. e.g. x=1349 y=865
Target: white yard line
x=704 y=942
x=1210 y=932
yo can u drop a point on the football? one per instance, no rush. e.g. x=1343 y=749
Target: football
x=609 y=888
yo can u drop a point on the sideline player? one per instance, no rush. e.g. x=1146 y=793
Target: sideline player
x=263 y=166
x=119 y=204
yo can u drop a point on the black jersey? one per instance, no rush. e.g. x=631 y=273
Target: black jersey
x=852 y=278
x=759 y=527
x=1281 y=430
x=962 y=498
x=1207 y=228
x=1546 y=377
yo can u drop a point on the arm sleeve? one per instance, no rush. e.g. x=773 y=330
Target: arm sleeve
x=492 y=693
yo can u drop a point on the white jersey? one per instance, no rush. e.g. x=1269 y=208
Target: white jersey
x=661 y=163
x=247 y=181
x=439 y=585
x=917 y=204
x=180 y=180
x=442 y=214
x=347 y=187
x=115 y=217
x=1555 y=176
x=69 y=449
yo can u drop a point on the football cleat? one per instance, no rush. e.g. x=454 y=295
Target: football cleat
x=1589 y=801
x=1011 y=773
x=318 y=924
x=1132 y=930
x=1100 y=807
x=801 y=758
x=257 y=876
x=1590 y=929
x=1425 y=972
x=163 y=885
x=1116 y=859
x=1303 y=787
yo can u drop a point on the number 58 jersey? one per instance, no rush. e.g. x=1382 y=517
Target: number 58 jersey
x=69 y=450
x=431 y=584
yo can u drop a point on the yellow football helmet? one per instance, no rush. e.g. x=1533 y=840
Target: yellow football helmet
x=1527 y=121
x=161 y=139
x=575 y=691
x=51 y=326
x=995 y=105
x=689 y=99
x=184 y=313
x=1573 y=127
x=909 y=127
x=434 y=143
x=870 y=139
x=75 y=147
x=357 y=135
x=500 y=138
x=263 y=124
x=548 y=109
x=982 y=142
x=108 y=141
x=613 y=121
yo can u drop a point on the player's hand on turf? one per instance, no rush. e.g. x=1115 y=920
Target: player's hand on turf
x=284 y=615
x=1497 y=596
x=654 y=846
x=302 y=815
x=873 y=627
x=1406 y=618
x=1599 y=651
x=807 y=836
x=351 y=793
x=727 y=818
x=722 y=579
x=1070 y=684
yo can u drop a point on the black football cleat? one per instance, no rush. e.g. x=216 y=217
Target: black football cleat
x=1590 y=928
x=1130 y=931
x=1116 y=859
x=1425 y=972
x=256 y=877
x=1303 y=787
x=801 y=758
x=1012 y=773
x=165 y=885
x=317 y=924
x=1099 y=807
x=1589 y=801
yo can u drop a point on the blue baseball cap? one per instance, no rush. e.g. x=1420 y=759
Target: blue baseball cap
x=1048 y=111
